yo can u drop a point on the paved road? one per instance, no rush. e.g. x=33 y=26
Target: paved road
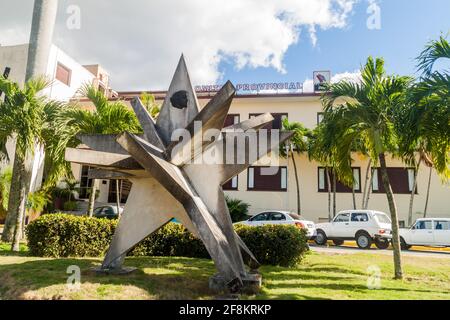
x=353 y=250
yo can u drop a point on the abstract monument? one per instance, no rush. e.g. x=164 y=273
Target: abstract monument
x=171 y=179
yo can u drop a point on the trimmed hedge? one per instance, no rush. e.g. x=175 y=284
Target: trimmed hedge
x=61 y=235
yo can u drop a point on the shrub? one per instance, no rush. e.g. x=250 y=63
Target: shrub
x=238 y=209
x=70 y=206
x=61 y=235
x=282 y=245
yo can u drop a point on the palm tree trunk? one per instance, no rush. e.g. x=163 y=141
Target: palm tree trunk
x=44 y=15
x=16 y=203
x=354 y=197
x=366 y=183
x=118 y=196
x=17 y=199
x=428 y=193
x=42 y=25
x=369 y=189
x=92 y=198
x=297 y=184
x=330 y=216
x=413 y=193
x=394 y=218
x=334 y=194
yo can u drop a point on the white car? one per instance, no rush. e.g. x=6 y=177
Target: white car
x=432 y=232
x=363 y=226
x=281 y=217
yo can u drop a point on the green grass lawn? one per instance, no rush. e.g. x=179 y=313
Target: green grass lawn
x=320 y=276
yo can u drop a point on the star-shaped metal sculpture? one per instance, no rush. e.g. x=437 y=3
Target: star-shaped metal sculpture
x=170 y=179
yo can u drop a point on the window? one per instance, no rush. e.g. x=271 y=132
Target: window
x=340 y=187
x=231 y=184
x=260 y=217
x=319 y=117
x=277 y=122
x=423 y=225
x=382 y=218
x=63 y=74
x=124 y=187
x=267 y=179
x=442 y=225
x=85 y=183
x=231 y=119
x=343 y=217
x=360 y=217
x=277 y=216
x=401 y=179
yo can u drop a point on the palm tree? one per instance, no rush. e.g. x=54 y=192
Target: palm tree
x=44 y=15
x=319 y=149
x=430 y=118
x=29 y=118
x=296 y=144
x=107 y=118
x=5 y=185
x=148 y=100
x=365 y=112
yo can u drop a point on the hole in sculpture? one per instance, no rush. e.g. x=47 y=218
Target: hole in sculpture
x=179 y=99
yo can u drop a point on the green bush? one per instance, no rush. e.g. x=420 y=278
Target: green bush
x=283 y=245
x=70 y=206
x=238 y=209
x=60 y=235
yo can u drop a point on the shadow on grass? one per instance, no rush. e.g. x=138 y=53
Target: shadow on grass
x=160 y=278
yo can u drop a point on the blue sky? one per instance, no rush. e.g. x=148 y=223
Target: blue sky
x=406 y=26
x=246 y=41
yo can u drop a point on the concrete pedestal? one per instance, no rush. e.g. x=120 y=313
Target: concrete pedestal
x=251 y=284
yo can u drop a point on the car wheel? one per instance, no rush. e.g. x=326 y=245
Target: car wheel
x=404 y=245
x=363 y=240
x=321 y=238
x=338 y=242
x=382 y=243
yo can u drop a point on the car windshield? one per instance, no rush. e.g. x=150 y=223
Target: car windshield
x=295 y=216
x=382 y=218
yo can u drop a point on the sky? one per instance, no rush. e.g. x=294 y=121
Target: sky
x=139 y=42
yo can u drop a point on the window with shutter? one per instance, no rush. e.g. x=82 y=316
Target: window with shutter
x=63 y=74
x=272 y=179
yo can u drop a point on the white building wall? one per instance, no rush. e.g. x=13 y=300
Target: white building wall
x=16 y=58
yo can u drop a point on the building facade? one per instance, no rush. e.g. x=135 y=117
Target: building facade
x=67 y=76
x=278 y=191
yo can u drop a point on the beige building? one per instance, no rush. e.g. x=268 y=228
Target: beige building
x=278 y=191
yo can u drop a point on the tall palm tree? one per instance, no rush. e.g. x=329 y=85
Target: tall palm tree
x=43 y=21
x=425 y=126
x=295 y=145
x=319 y=149
x=30 y=119
x=365 y=111
x=431 y=117
x=108 y=117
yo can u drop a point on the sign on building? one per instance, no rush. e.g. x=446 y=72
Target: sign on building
x=321 y=79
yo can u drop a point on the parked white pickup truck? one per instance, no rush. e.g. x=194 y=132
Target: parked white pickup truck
x=432 y=232
x=363 y=226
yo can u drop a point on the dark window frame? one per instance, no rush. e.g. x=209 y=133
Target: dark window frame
x=274 y=189
x=231 y=115
x=227 y=186
x=395 y=185
x=340 y=187
x=318 y=115
x=269 y=126
x=68 y=70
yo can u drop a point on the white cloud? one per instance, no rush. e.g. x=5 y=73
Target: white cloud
x=140 y=41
